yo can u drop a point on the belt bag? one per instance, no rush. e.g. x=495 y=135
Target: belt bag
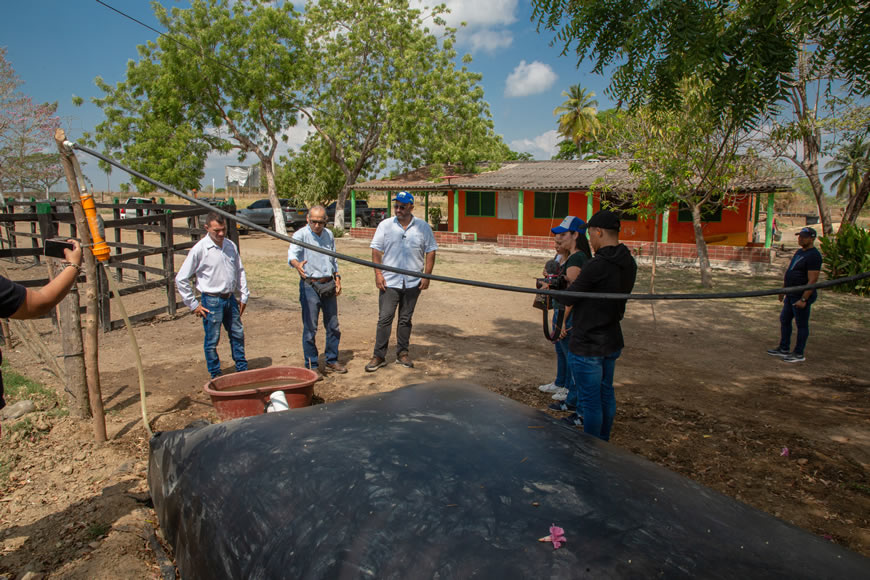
x=323 y=289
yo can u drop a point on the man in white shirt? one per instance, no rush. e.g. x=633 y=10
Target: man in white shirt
x=319 y=286
x=402 y=242
x=217 y=266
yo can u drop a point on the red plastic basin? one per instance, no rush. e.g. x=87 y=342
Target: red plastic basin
x=232 y=398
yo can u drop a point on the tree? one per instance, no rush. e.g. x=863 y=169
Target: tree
x=223 y=78
x=309 y=176
x=746 y=50
x=799 y=129
x=40 y=171
x=26 y=128
x=596 y=145
x=682 y=157
x=848 y=166
x=578 y=115
x=385 y=91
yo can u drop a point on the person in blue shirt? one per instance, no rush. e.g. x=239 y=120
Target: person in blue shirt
x=804 y=268
x=319 y=287
x=403 y=242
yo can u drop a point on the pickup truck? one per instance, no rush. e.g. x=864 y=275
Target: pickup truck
x=365 y=216
x=260 y=212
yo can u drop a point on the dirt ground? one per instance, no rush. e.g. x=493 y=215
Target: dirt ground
x=696 y=393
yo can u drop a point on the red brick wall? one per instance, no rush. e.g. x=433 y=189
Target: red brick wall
x=532 y=242
x=678 y=251
x=445 y=238
x=641 y=249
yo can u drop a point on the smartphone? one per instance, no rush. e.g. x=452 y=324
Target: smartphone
x=55 y=248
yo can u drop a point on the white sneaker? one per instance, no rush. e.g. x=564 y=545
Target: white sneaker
x=561 y=394
x=548 y=388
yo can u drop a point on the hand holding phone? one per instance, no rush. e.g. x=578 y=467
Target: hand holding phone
x=54 y=248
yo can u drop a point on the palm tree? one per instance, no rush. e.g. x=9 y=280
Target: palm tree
x=578 y=116
x=848 y=167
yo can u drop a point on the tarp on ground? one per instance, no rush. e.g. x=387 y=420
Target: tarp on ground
x=449 y=480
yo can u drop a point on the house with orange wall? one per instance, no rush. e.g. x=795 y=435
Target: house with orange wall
x=528 y=198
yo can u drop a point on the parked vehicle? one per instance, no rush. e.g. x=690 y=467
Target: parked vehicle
x=260 y=212
x=130 y=210
x=365 y=216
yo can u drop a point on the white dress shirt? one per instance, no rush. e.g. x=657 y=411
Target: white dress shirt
x=404 y=248
x=218 y=270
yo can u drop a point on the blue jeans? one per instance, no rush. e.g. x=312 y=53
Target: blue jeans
x=801 y=317
x=222 y=311
x=564 y=376
x=312 y=305
x=593 y=376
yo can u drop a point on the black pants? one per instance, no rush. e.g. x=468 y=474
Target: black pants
x=406 y=300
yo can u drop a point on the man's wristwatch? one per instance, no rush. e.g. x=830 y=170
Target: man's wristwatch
x=337 y=276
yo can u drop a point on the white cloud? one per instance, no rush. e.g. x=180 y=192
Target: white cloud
x=488 y=40
x=541 y=147
x=480 y=13
x=529 y=79
x=486 y=22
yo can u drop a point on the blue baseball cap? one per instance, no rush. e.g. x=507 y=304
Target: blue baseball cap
x=570 y=224
x=404 y=197
x=807 y=232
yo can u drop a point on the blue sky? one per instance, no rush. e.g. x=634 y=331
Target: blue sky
x=58 y=47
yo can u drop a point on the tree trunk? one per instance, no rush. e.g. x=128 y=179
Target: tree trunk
x=655 y=253
x=703 y=259
x=74 y=363
x=342 y=199
x=91 y=343
x=278 y=213
x=69 y=320
x=856 y=202
x=812 y=171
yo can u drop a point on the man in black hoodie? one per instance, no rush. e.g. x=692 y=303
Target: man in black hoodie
x=596 y=339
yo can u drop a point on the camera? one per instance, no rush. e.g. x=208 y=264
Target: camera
x=552 y=281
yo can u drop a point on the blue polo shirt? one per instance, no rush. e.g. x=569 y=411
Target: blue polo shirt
x=404 y=248
x=317 y=265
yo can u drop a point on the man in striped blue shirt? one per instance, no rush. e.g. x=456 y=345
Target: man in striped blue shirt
x=319 y=287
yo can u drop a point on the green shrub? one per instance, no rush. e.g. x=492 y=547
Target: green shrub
x=847 y=254
x=435 y=217
x=336 y=232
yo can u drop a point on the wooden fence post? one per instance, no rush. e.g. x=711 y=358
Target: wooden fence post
x=91 y=346
x=10 y=231
x=104 y=295
x=46 y=231
x=116 y=215
x=140 y=241
x=167 y=240
x=33 y=242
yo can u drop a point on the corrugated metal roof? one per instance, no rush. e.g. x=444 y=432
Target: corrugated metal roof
x=557 y=175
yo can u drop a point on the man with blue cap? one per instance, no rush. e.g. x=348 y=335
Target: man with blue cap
x=408 y=243
x=804 y=268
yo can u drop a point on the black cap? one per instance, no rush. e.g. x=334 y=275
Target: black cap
x=604 y=219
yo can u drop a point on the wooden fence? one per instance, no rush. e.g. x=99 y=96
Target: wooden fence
x=25 y=225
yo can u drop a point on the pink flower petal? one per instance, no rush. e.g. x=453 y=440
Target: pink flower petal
x=557 y=536
x=784 y=452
